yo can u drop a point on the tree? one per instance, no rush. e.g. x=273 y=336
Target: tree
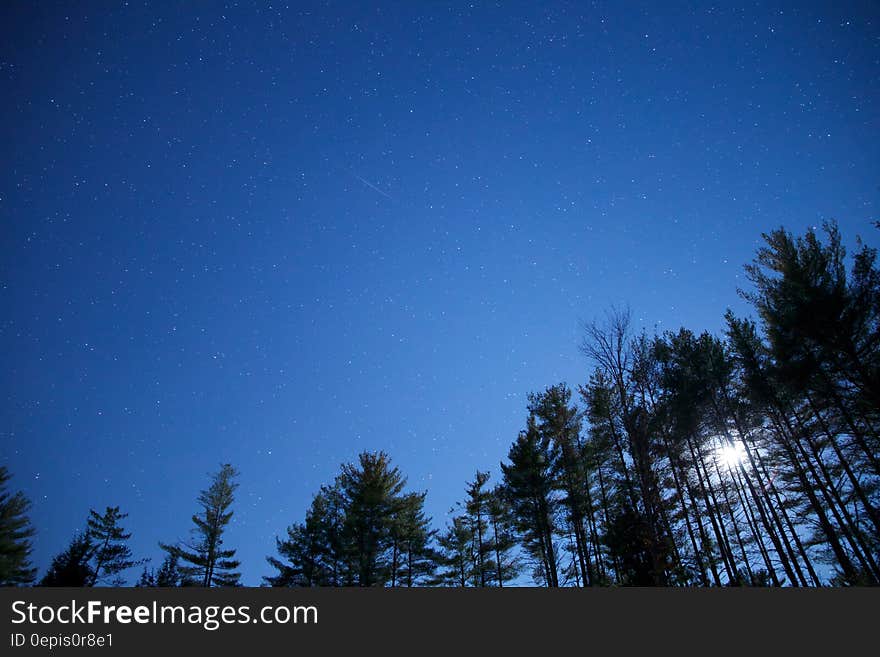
x=314 y=552
x=822 y=322
x=71 y=567
x=360 y=531
x=528 y=481
x=111 y=554
x=561 y=424
x=15 y=536
x=817 y=370
x=626 y=368
x=169 y=574
x=371 y=494
x=413 y=558
x=298 y=569
x=147 y=580
x=210 y=565
x=456 y=555
x=503 y=542
x=629 y=539
x=476 y=507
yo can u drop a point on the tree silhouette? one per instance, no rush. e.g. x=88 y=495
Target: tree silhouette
x=361 y=531
x=15 y=536
x=528 y=480
x=746 y=458
x=111 y=554
x=209 y=564
x=71 y=567
x=371 y=492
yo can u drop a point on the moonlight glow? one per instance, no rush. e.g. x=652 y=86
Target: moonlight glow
x=731 y=454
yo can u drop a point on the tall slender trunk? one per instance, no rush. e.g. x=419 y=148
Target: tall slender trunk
x=617 y=440
x=850 y=422
x=674 y=466
x=732 y=513
x=870 y=509
x=704 y=537
x=480 y=554
x=842 y=515
x=615 y=562
x=714 y=509
x=780 y=504
x=593 y=538
x=766 y=511
x=792 y=447
x=498 y=564
x=754 y=526
x=716 y=529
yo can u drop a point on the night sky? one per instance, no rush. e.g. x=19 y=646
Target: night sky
x=279 y=235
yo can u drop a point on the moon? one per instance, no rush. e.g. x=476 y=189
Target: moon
x=731 y=454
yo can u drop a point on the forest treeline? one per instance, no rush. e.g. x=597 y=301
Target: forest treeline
x=746 y=458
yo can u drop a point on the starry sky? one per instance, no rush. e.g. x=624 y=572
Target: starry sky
x=277 y=234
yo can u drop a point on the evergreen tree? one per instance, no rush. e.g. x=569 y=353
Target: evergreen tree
x=72 y=566
x=476 y=508
x=371 y=494
x=361 y=531
x=627 y=371
x=169 y=574
x=299 y=569
x=822 y=329
x=315 y=552
x=456 y=554
x=111 y=554
x=705 y=460
x=506 y=565
x=560 y=422
x=413 y=557
x=628 y=539
x=15 y=536
x=529 y=484
x=147 y=580
x=210 y=564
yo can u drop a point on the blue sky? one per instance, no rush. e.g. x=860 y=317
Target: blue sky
x=280 y=236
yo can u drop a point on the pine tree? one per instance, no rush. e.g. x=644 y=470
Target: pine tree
x=360 y=531
x=209 y=564
x=147 y=580
x=456 y=556
x=627 y=372
x=169 y=574
x=506 y=565
x=371 y=494
x=413 y=557
x=111 y=553
x=813 y=371
x=15 y=536
x=560 y=422
x=299 y=567
x=315 y=552
x=71 y=567
x=476 y=509
x=821 y=329
x=792 y=441
x=528 y=480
